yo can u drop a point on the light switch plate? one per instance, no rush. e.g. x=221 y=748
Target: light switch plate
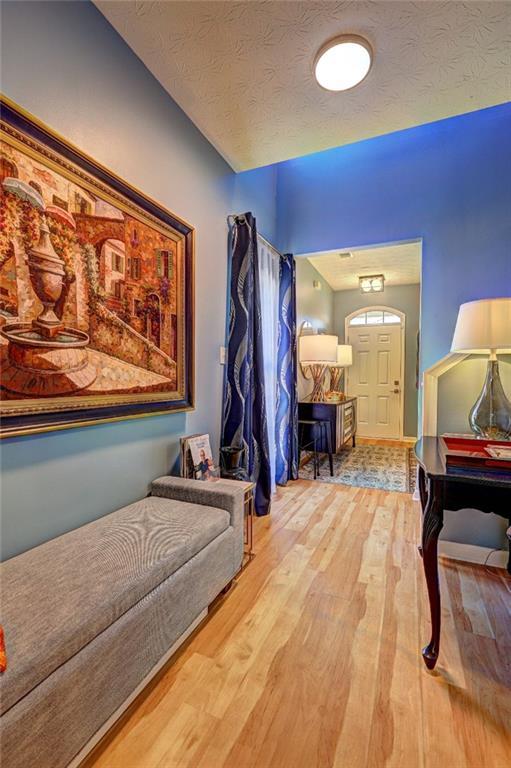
x=223 y=355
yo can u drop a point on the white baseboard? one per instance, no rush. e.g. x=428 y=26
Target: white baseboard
x=471 y=553
x=80 y=757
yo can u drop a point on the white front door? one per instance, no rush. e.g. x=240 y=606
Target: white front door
x=375 y=379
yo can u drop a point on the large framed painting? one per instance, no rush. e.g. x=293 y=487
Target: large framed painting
x=96 y=289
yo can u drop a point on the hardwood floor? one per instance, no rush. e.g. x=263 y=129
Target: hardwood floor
x=313 y=658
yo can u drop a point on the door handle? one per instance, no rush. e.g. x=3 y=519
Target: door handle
x=395 y=391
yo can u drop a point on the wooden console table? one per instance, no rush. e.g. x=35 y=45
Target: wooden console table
x=440 y=490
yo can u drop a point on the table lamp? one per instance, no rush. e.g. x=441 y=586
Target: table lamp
x=484 y=327
x=344 y=359
x=316 y=352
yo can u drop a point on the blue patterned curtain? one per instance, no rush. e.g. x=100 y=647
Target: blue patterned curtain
x=286 y=420
x=244 y=408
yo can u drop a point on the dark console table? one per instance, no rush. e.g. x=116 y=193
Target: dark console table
x=439 y=490
x=342 y=417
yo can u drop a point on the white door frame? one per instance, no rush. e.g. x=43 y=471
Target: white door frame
x=402 y=367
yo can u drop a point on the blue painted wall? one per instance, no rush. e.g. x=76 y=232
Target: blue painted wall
x=448 y=183
x=256 y=191
x=64 y=63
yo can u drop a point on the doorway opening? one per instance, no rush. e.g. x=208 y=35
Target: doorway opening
x=369 y=298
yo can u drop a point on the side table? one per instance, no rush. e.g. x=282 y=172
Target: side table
x=248 y=489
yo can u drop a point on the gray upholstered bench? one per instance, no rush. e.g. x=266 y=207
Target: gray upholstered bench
x=89 y=617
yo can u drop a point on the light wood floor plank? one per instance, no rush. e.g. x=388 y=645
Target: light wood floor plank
x=313 y=658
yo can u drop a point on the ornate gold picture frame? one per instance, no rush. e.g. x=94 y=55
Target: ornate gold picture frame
x=96 y=289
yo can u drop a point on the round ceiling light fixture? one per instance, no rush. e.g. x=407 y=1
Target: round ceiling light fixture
x=343 y=62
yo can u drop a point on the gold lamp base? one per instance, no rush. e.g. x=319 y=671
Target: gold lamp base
x=335 y=379
x=317 y=371
x=335 y=393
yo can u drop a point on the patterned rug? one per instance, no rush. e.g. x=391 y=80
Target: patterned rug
x=391 y=468
x=412 y=470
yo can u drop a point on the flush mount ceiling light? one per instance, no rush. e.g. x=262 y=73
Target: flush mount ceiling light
x=343 y=62
x=371 y=283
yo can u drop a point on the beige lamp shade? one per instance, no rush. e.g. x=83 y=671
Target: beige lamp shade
x=483 y=326
x=344 y=355
x=318 y=348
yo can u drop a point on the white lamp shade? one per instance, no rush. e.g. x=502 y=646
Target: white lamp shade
x=318 y=348
x=483 y=326
x=344 y=355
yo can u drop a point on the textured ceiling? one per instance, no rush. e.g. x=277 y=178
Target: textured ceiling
x=400 y=264
x=243 y=72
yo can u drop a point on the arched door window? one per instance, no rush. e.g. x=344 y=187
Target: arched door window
x=376 y=316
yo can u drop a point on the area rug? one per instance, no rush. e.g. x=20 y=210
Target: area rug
x=412 y=470
x=391 y=468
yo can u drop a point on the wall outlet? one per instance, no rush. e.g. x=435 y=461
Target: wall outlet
x=223 y=355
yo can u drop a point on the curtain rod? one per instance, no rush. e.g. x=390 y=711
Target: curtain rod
x=269 y=244
x=236 y=215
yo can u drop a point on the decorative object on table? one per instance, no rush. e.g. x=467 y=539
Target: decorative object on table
x=440 y=490
x=503 y=453
x=466 y=453
x=232 y=460
x=316 y=353
x=96 y=311
x=484 y=326
x=367 y=466
x=344 y=360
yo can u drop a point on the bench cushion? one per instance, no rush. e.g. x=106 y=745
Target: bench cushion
x=59 y=596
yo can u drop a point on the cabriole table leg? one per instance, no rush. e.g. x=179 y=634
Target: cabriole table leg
x=432 y=523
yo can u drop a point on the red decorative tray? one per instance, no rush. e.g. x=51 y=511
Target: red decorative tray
x=469 y=452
